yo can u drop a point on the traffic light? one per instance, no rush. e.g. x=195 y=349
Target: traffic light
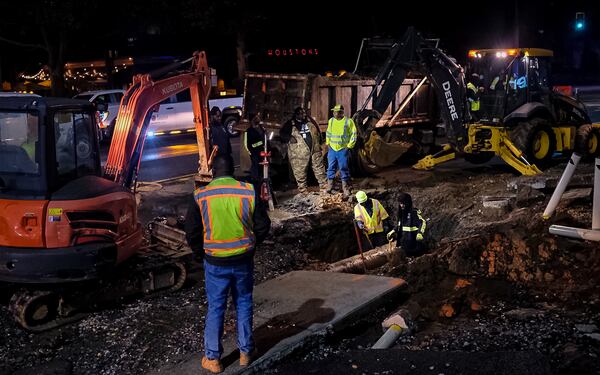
x=579 y=21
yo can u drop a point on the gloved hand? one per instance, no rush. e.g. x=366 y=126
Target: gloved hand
x=419 y=237
x=390 y=235
x=361 y=225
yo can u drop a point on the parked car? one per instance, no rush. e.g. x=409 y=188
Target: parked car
x=175 y=115
x=107 y=104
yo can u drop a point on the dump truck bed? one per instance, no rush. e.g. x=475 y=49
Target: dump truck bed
x=277 y=95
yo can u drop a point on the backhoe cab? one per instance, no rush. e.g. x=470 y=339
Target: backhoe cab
x=517 y=116
x=515 y=91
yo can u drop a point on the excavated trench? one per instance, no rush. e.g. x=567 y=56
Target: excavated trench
x=493 y=281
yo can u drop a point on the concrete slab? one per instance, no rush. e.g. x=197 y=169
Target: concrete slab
x=298 y=306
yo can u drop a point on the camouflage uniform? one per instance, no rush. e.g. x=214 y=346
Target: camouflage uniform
x=300 y=156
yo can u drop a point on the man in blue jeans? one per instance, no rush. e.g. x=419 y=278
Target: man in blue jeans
x=225 y=221
x=340 y=137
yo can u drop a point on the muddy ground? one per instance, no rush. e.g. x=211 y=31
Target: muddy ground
x=493 y=281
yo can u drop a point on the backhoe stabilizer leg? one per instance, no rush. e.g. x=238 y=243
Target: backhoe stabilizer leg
x=562 y=185
x=430 y=161
x=514 y=157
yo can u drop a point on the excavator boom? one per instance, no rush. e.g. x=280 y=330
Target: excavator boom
x=137 y=105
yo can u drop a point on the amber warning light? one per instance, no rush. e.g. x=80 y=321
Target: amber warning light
x=278 y=52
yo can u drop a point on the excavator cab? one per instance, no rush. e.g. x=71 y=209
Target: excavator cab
x=507 y=79
x=61 y=220
x=45 y=143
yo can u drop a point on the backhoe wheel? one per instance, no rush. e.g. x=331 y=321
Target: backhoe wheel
x=537 y=141
x=587 y=141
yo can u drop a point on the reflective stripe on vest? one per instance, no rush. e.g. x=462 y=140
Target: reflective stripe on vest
x=226 y=206
x=475 y=104
x=372 y=224
x=424 y=223
x=335 y=138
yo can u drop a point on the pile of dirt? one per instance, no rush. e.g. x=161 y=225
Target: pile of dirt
x=495 y=279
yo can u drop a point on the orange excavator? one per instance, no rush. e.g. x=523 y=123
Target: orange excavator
x=69 y=232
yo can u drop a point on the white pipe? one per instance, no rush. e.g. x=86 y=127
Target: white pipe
x=562 y=185
x=596 y=203
x=389 y=337
x=582 y=234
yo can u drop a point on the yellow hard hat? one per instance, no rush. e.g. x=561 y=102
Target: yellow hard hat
x=337 y=108
x=361 y=197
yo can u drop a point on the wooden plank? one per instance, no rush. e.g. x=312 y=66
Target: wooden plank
x=330 y=83
x=362 y=94
x=343 y=96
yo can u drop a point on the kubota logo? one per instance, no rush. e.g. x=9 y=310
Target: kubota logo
x=172 y=87
x=449 y=100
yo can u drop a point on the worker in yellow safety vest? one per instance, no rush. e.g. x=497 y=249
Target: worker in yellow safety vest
x=372 y=218
x=341 y=138
x=473 y=96
x=224 y=223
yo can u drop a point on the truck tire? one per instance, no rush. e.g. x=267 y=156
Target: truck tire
x=536 y=139
x=230 y=123
x=587 y=141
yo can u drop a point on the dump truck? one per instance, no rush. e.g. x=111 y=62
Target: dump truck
x=275 y=96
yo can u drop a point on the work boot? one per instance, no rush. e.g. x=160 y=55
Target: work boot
x=346 y=190
x=302 y=189
x=212 y=365
x=247 y=358
x=329 y=187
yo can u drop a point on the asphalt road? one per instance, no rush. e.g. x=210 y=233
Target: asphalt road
x=168 y=157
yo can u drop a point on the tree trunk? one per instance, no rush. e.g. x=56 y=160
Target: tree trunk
x=241 y=55
x=56 y=50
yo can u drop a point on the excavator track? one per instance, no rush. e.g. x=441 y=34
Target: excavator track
x=149 y=273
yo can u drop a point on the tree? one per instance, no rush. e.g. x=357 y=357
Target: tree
x=50 y=26
x=231 y=19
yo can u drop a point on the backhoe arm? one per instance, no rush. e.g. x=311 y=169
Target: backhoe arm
x=416 y=54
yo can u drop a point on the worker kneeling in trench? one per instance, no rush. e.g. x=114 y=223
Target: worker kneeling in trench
x=410 y=232
x=373 y=220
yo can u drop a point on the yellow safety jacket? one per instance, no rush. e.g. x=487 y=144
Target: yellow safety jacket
x=373 y=224
x=29 y=148
x=475 y=104
x=227 y=206
x=340 y=133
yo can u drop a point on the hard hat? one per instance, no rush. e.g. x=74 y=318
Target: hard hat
x=337 y=108
x=361 y=197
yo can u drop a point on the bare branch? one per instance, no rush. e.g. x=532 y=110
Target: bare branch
x=25 y=45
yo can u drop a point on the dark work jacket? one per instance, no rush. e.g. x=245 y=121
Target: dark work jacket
x=255 y=142
x=220 y=137
x=409 y=217
x=194 y=233
x=408 y=239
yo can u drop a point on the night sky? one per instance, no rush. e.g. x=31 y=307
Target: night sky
x=334 y=29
